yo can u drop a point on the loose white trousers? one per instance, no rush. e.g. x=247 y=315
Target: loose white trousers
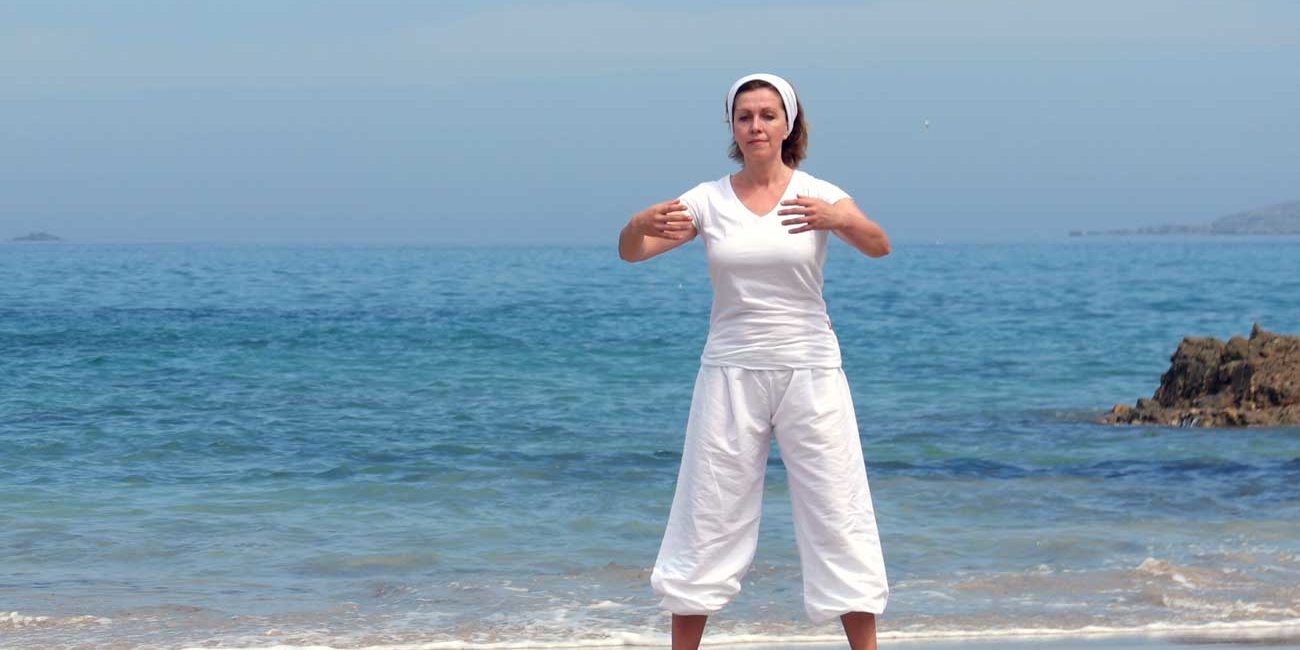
x=713 y=526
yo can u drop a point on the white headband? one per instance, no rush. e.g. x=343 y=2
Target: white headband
x=783 y=88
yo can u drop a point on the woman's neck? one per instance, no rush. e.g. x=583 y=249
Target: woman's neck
x=765 y=173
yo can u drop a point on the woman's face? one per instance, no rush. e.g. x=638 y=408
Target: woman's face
x=758 y=123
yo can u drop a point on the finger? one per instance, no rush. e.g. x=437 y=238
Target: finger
x=803 y=229
x=799 y=201
x=793 y=211
x=671 y=206
x=680 y=215
x=791 y=222
x=675 y=226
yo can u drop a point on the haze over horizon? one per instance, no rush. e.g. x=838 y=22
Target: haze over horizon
x=551 y=122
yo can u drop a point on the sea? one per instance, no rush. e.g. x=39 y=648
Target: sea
x=475 y=447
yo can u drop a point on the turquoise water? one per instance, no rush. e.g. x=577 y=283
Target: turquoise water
x=365 y=445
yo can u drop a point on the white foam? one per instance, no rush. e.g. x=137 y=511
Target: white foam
x=15 y=620
x=1185 y=576
x=1226 y=608
x=1155 y=567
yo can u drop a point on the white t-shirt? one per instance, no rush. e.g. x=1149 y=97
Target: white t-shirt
x=768 y=311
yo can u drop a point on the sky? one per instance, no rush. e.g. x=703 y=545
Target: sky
x=552 y=122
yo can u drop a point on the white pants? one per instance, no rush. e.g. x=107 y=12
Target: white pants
x=713 y=527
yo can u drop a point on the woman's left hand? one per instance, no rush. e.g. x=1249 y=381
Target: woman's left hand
x=814 y=214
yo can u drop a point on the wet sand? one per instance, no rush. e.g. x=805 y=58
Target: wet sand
x=1255 y=640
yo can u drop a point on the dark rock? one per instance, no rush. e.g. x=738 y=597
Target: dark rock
x=1236 y=349
x=1244 y=382
x=1194 y=372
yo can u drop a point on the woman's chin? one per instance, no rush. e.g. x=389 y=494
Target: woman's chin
x=760 y=154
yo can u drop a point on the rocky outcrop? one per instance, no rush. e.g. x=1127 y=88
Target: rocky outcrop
x=1280 y=219
x=1244 y=382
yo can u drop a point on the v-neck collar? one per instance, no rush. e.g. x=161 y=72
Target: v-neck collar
x=732 y=189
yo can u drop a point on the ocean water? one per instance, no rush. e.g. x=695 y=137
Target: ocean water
x=421 y=446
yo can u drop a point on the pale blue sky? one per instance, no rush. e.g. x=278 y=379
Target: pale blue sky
x=486 y=122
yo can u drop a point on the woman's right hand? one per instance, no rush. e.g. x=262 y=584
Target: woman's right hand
x=667 y=220
x=654 y=230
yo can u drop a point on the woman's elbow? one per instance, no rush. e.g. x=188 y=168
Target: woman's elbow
x=628 y=256
x=870 y=238
x=877 y=246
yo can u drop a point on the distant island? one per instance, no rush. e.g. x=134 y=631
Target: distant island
x=38 y=236
x=1280 y=219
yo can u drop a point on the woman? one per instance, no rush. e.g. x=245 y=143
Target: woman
x=771 y=366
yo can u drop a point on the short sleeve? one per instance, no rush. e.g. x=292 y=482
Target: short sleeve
x=827 y=191
x=695 y=201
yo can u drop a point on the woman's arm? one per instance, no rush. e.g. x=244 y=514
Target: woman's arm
x=843 y=218
x=861 y=232
x=654 y=230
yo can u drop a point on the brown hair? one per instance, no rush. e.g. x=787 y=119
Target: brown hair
x=795 y=146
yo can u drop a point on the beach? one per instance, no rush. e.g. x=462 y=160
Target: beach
x=1271 y=639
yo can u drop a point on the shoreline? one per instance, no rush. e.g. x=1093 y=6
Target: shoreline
x=1220 y=635
x=1155 y=636
x=1242 y=634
